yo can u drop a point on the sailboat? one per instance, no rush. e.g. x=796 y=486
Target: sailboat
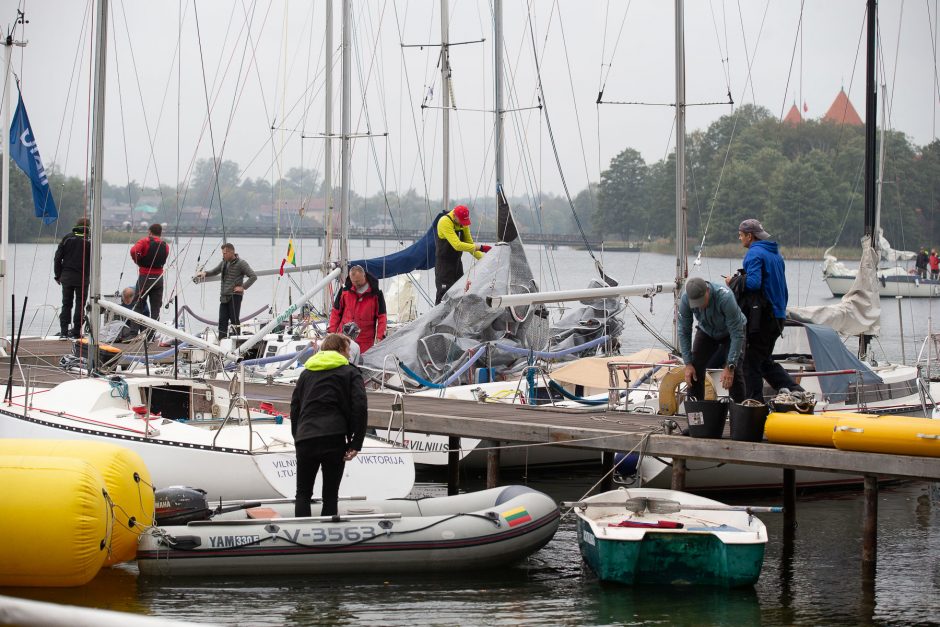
x=187 y=431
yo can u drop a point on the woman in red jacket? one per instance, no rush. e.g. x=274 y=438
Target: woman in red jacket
x=360 y=301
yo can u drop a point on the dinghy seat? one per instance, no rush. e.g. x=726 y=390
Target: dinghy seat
x=262 y=513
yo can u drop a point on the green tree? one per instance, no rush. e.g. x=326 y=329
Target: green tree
x=622 y=196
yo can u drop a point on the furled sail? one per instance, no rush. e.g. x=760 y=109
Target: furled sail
x=418 y=256
x=859 y=311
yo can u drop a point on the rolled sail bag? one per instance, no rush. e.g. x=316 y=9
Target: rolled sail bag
x=125 y=476
x=54 y=521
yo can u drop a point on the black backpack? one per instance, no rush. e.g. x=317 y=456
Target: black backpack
x=755 y=306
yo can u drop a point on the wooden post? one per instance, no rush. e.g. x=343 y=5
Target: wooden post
x=789 y=498
x=870 y=528
x=492 y=463
x=678 y=473
x=453 y=462
x=607 y=465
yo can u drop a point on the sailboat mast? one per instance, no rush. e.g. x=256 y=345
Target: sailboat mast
x=97 y=177
x=871 y=113
x=445 y=103
x=682 y=262
x=5 y=191
x=328 y=147
x=498 y=87
x=344 y=150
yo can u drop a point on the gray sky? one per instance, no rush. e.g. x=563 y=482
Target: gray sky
x=263 y=66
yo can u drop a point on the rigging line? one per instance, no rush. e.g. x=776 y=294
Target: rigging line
x=613 y=53
x=931 y=26
x=724 y=55
x=747 y=58
x=551 y=135
x=796 y=40
x=413 y=120
x=734 y=126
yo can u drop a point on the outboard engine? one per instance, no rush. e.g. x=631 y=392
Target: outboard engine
x=178 y=505
x=626 y=466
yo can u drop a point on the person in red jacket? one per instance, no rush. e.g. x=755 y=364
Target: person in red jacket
x=360 y=301
x=150 y=254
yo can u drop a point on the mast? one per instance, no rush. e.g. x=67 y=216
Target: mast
x=682 y=262
x=871 y=113
x=5 y=191
x=445 y=103
x=97 y=176
x=328 y=148
x=344 y=150
x=498 y=87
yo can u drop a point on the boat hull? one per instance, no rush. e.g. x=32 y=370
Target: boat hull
x=650 y=536
x=889 y=286
x=480 y=530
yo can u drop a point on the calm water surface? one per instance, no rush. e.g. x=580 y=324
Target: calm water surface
x=813 y=578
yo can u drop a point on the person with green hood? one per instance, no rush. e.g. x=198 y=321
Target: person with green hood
x=328 y=411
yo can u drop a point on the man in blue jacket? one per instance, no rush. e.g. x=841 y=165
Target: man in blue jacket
x=720 y=331
x=765 y=294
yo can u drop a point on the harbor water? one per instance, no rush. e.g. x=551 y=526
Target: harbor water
x=812 y=578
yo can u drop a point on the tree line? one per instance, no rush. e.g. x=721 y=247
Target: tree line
x=804 y=182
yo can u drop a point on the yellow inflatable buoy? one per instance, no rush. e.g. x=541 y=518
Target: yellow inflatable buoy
x=901 y=435
x=125 y=476
x=669 y=390
x=54 y=521
x=806 y=429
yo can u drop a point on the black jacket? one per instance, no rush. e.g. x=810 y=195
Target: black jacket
x=73 y=258
x=330 y=402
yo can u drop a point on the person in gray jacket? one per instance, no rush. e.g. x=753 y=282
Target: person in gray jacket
x=720 y=328
x=234 y=270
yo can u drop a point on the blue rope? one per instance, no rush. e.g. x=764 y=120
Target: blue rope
x=141 y=360
x=481 y=350
x=553 y=354
x=119 y=385
x=273 y=359
x=555 y=387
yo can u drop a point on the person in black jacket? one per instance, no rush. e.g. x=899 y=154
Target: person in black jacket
x=72 y=270
x=328 y=412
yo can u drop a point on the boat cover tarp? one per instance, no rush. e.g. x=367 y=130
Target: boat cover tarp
x=591 y=372
x=418 y=256
x=859 y=311
x=829 y=353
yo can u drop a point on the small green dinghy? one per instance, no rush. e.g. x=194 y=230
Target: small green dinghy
x=651 y=536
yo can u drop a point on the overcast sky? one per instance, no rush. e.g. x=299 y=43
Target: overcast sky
x=261 y=65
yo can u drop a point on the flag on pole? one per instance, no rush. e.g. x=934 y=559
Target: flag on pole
x=290 y=258
x=805 y=107
x=25 y=153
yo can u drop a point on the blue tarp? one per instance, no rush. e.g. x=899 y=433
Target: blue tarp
x=418 y=256
x=829 y=353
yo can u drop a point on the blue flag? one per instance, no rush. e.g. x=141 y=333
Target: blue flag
x=24 y=151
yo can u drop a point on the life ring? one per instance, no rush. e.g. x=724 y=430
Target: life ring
x=669 y=389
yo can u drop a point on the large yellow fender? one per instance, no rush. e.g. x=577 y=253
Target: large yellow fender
x=55 y=521
x=669 y=389
x=125 y=476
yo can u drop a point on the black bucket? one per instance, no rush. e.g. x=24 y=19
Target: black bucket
x=747 y=422
x=706 y=418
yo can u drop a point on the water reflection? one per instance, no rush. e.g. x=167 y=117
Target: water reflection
x=112 y=589
x=612 y=604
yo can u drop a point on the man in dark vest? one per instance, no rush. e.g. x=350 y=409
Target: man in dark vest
x=453 y=239
x=72 y=270
x=150 y=254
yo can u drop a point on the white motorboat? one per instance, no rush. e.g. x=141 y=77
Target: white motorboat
x=477 y=530
x=192 y=432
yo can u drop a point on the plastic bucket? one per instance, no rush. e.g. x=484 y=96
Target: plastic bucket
x=706 y=418
x=747 y=422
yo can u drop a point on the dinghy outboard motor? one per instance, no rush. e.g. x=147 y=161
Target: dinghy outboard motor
x=626 y=467
x=178 y=505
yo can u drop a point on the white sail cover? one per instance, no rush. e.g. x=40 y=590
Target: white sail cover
x=859 y=311
x=833 y=267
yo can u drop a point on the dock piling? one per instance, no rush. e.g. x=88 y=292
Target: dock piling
x=492 y=463
x=678 y=473
x=453 y=465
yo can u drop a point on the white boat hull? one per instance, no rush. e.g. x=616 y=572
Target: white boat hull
x=889 y=286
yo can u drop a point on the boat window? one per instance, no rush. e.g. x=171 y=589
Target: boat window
x=173 y=402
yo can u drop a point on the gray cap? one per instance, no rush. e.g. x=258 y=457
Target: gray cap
x=754 y=227
x=696 y=289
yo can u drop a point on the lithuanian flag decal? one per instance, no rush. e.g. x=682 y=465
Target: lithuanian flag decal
x=517 y=516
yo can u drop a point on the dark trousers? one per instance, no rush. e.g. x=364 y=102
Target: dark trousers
x=326 y=452
x=704 y=347
x=230 y=314
x=149 y=289
x=444 y=279
x=72 y=295
x=760 y=365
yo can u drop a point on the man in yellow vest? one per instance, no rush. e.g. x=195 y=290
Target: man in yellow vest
x=453 y=239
